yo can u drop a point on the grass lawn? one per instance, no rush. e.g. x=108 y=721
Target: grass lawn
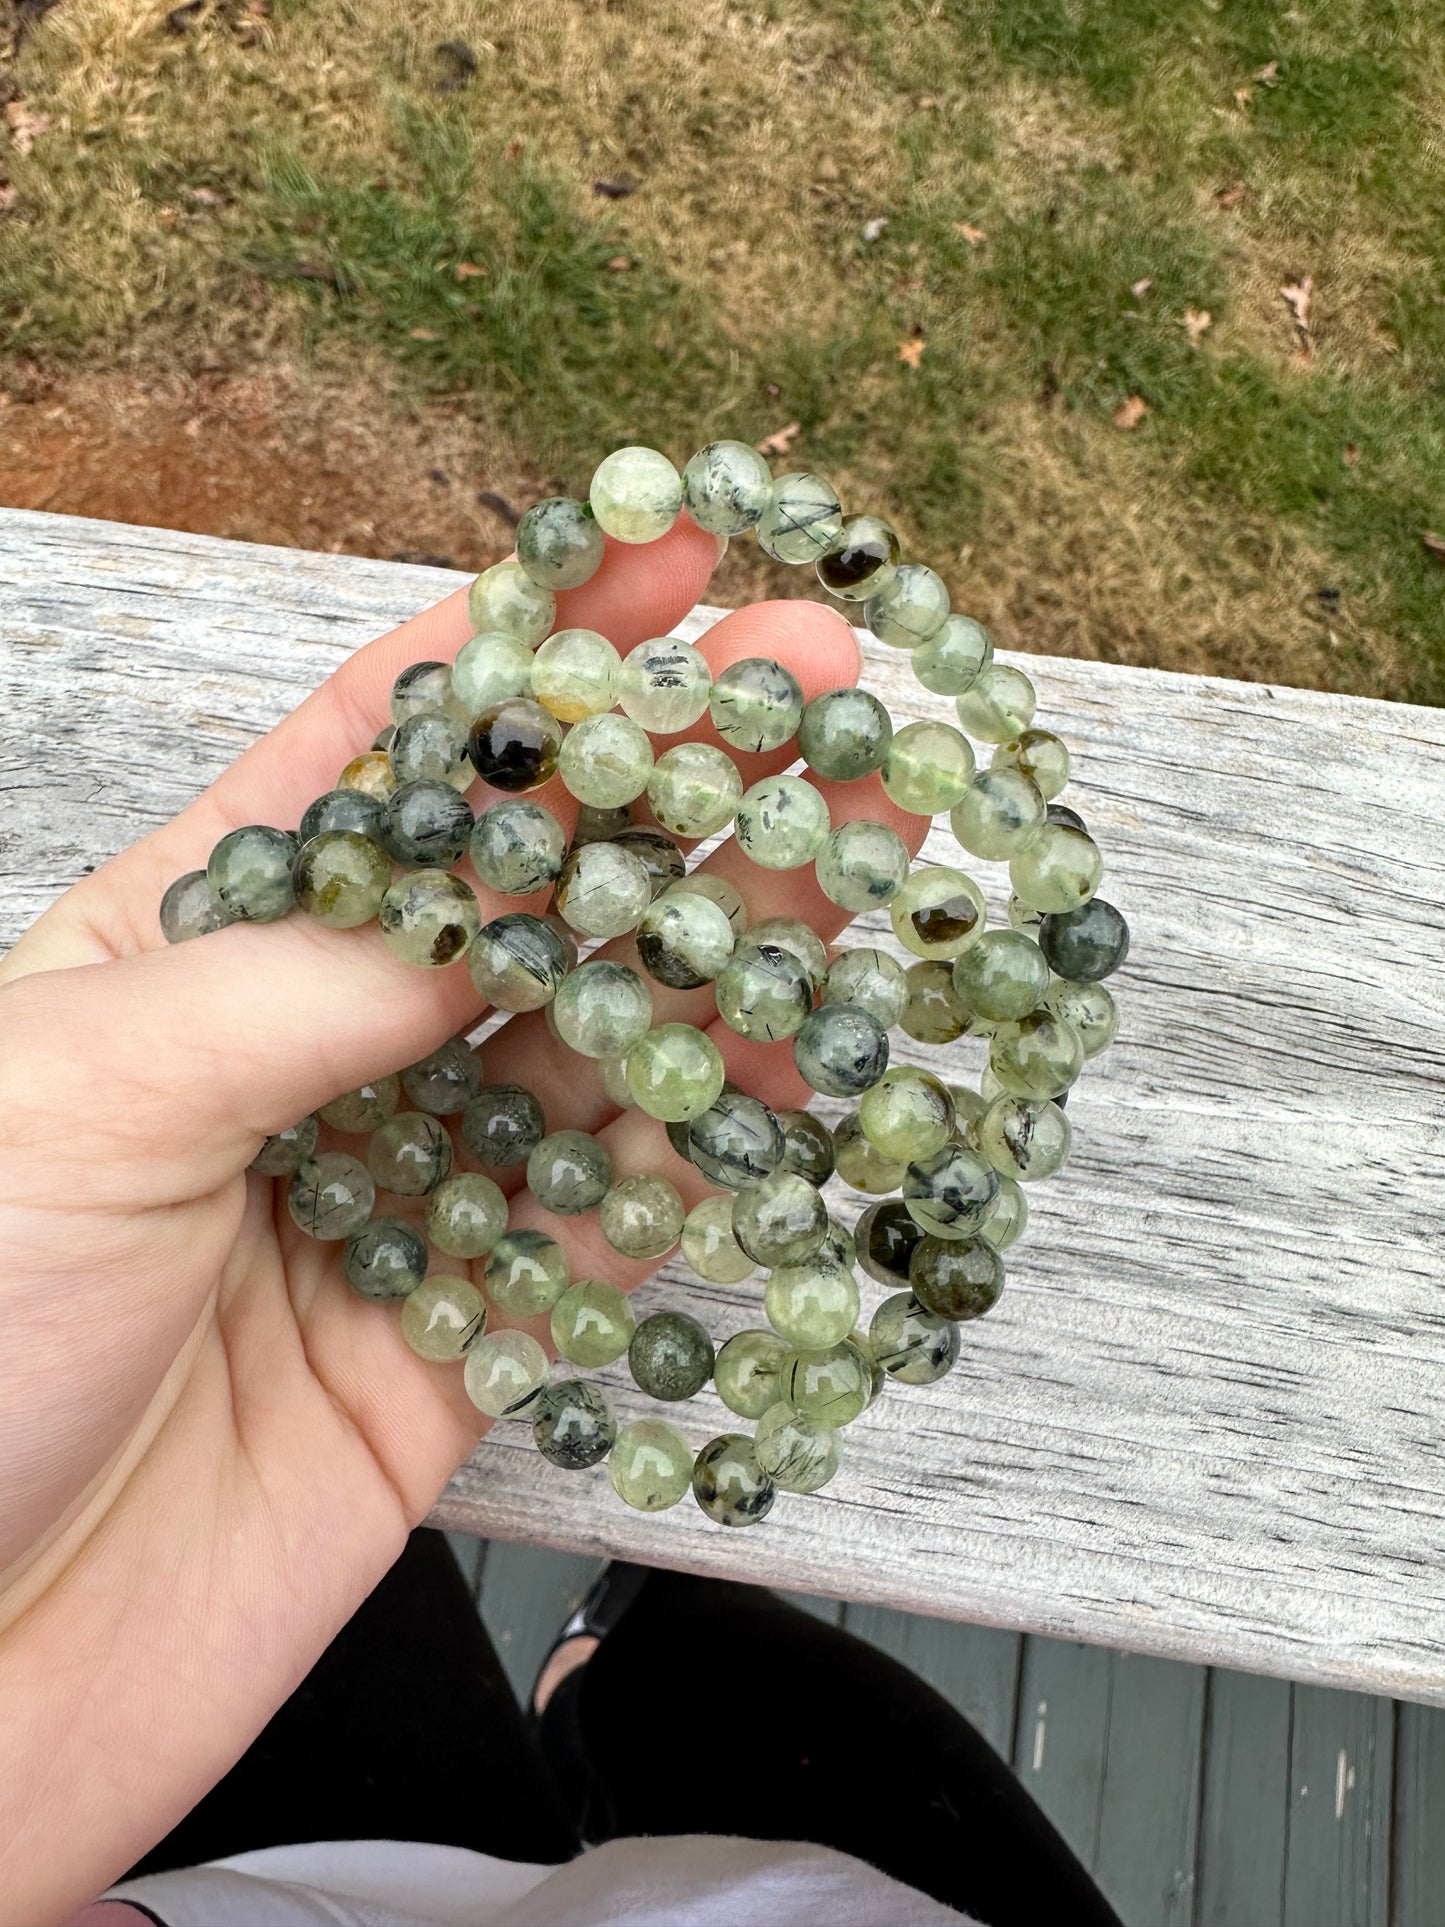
x=1130 y=313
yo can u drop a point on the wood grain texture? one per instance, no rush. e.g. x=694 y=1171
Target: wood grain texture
x=1204 y=1421
x=1337 y=1867
x=1244 y=1816
x=1149 y=1806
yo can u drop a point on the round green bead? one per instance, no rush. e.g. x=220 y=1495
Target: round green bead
x=860 y=1163
x=559 y=543
x=658 y=853
x=575 y=674
x=841 y=1050
x=953 y=659
x=599 y=826
x=998 y=706
x=664 y=685
x=684 y=940
x=504 y=599
x=592 y=1323
x=1040 y=1056
x=649 y=1465
x=671 y=1356
x=938 y=913
x=999 y=814
x=642 y=1216
x=429 y=917
x=726 y=487
x=933 y=1014
x=802 y=520
x=956 y=1278
x=370 y=773
x=613 y=1072
x=863 y=864
x=763 y=991
x=1023 y=1140
x=1001 y=976
x=604 y=890
x=911 y=610
x=190 y=908
x=491 y=669
x=862 y=559
x=745 y=1375
x=384 y=1259
x=514 y=745
x=410 y=1154
x=709 y=1246
x=807 y=1146
x=504 y=1373
x=340 y=878
x=694 y=789
x=795 y=1452
x=249 y=874
x=756 y=704
x=573 y=1425
x=343 y=810
x=794 y=936
x=886 y=1238
x=517 y=847
x=928 y=768
x=446 y=1080
x=526 y=1273
x=1008 y=1216
x=1085 y=944
x=518 y=962
x=466 y=1215
x=284 y=1151
x=831 y=1387
x=635 y=494
x=812 y=1305
x=780 y=1219
x=606 y=761
x=1059 y=870
x=911 y=1344
x=735 y=1141
x=729 y=1484
x=1089 y=1009
x=907 y=1114
x=674 y=1072
x=569 y=1172
x=330 y=1195
x=502 y=1124
x=443 y=1318
x=719 y=891
x=872 y=980
x=602 y=1009
x=782 y=823
x=844 y=734
x=1037 y=754
x=948 y=1194
x=420 y=687
x=428 y=825
x=431 y=747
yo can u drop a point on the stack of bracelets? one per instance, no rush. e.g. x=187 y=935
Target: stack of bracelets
x=524 y=701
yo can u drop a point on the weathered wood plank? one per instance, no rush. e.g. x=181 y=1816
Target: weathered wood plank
x=528 y=1594
x=1417 y=1835
x=1337 y=1867
x=1225 y=1324
x=1244 y=1820
x=1061 y=1738
x=975 y=1668
x=1149 y=1806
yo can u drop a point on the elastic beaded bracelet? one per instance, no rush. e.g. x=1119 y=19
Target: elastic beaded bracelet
x=942 y=1164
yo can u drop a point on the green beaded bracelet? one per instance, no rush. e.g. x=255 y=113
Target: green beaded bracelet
x=944 y=1164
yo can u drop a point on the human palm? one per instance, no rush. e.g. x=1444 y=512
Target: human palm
x=212 y=1449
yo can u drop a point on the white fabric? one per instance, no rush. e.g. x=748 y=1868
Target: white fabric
x=691 y=1881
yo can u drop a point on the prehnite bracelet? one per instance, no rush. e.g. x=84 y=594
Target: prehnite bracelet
x=524 y=701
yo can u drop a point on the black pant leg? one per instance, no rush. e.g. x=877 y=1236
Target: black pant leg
x=717 y=1708
x=405 y=1729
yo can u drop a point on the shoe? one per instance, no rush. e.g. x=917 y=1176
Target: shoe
x=607 y=1599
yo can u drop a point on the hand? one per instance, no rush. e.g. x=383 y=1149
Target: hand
x=212 y=1449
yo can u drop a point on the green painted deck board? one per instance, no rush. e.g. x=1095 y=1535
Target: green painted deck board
x=1149 y=1803
x=1061 y=1738
x=527 y=1595
x=1244 y=1816
x=1337 y=1864
x=975 y=1668
x=1417 y=1886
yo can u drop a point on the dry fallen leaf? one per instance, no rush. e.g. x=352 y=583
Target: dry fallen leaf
x=780 y=443
x=1242 y=96
x=1140 y=288
x=423 y=334
x=514 y=147
x=975 y=236
x=618 y=263
x=1130 y=413
x=1196 y=321
x=1233 y=195
x=1296 y=296
x=7 y=197
x=467 y=270
x=1268 y=75
x=1352 y=454
x=24 y=125
x=613 y=190
x=1434 y=543
x=911 y=350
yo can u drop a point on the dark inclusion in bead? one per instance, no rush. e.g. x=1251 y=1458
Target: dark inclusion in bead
x=956 y=1278
x=807 y=1147
x=520 y=947
x=1085 y=944
x=865 y=546
x=428 y=824
x=385 y=1259
x=671 y=1356
x=661 y=858
x=346 y=810
x=572 y=1424
x=502 y=1124
x=729 y=1484
x=841 y=1049
x=738 y=1140
x=514 y=745
x=886 y=1238
x=1064 y=818
x=946 y=922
